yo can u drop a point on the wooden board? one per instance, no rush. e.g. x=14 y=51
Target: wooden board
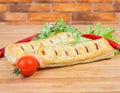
x=98 y=77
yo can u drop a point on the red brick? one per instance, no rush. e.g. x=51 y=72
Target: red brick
x=40 y=8
x=29 y=7
x=94 y=17
x=117 y=1
x=71 y=7
x=117 y=7
x=15 y=1
x=107 y=7
x=14 y=17
x=118 y=16
x=54 y=1
x=47 y=17
x=103 y=8
x=82 y=22
x=2 y=23
x=107 y=22
x=2 y=17
x=3 y=7
x=94 y=1
x=24 y=23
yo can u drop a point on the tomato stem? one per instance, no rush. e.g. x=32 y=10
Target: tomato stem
x=17 y=71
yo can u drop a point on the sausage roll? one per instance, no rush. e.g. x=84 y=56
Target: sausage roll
x=54 y=56
x=15 y=51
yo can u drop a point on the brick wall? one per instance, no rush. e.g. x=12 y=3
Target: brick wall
x=37 y=12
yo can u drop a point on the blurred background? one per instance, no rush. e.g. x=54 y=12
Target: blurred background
x=37 y=12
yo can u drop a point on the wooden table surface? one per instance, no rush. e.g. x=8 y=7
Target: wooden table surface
x=97 y=77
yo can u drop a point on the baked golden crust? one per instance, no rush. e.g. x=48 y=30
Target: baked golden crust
x=15 y=51
x=52 y=56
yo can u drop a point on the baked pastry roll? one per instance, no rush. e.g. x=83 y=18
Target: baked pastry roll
x=55 y=56
x=15 y=51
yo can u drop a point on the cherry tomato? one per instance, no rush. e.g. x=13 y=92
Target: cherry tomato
x=26 y=66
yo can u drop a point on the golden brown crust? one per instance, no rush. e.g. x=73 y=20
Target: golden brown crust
x=80 y=53
x=15 y=51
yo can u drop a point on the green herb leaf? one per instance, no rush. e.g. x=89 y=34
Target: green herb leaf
x=53 y=28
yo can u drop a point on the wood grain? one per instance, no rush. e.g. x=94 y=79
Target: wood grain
x=98 y=77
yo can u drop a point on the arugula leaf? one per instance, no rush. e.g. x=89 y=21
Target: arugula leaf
x=88 y=31
x=46 y=31
x=53 y=28
x=106 y=32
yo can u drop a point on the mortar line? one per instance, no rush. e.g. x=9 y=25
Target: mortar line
x=71 y=18
x=8 y=7
x=113 y=1
x=51 y=8
x=92 y=7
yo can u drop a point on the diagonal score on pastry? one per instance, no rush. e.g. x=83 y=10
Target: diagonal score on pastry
x=15 y=51
x=54 y=56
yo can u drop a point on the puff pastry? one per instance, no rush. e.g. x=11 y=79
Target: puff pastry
x=54 y=56
x=15 y=51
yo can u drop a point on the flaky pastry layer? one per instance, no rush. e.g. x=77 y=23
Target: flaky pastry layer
x=53 y=56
